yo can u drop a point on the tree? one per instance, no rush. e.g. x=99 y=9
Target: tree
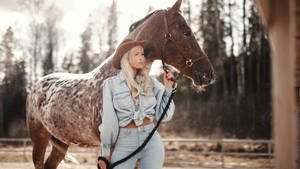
x=53 y=16
x=68 y=63
x=34 y=50
x=6 y=56
x=85 y=52
x=112 y=26
x=187 y=13
x=6 y=49
x=13 y=88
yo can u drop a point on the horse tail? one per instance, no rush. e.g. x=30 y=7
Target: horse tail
x=57 y=144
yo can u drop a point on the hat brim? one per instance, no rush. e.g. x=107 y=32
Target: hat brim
x=124 y=47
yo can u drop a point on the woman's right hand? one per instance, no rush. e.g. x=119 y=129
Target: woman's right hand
x=102 y=164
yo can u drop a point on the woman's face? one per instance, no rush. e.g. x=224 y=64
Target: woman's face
x=136 y=57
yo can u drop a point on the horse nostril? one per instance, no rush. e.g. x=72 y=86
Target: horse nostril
x=211 y=74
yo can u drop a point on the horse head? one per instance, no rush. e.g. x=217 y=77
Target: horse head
x=172 y=41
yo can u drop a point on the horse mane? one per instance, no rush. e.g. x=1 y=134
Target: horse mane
x=139 y=22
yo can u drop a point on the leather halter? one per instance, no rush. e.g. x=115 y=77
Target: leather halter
x=168 y=37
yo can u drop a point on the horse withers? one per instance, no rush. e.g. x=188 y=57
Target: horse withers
x=66 y=108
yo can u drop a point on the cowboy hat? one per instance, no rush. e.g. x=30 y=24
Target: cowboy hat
x=124 y=47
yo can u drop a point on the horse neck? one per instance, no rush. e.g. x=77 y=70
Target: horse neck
x=151 y=32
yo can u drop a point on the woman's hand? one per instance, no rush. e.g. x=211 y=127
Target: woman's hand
x=167 y=78
x=102 y=163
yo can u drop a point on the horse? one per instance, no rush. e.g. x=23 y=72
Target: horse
x=65 y=108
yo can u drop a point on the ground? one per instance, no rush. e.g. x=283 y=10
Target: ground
x=181 y=155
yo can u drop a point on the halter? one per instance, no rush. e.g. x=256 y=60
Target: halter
x=168 y=37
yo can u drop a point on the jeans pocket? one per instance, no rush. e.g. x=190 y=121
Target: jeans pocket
x=124 y=133
x=127 y=141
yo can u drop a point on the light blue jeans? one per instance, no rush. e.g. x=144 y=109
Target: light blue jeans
x=151 y=156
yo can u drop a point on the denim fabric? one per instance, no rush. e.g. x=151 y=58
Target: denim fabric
x=119 y=109
x=151 y=156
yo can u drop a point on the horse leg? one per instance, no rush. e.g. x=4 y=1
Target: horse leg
x=59 y=150
x=40 y=138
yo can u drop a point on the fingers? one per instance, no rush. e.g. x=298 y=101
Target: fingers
x=102 y=165
x=168 y=78
x=168 y=75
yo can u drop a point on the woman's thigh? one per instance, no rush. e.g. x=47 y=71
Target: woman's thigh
x=126 y=144
x=153 y=154
x=129 y=164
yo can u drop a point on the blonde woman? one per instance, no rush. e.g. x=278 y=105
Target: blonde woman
x=131 y=101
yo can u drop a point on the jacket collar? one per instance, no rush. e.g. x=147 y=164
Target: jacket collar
x=121 y=76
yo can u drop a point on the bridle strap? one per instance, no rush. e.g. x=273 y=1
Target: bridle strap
x=168 y=37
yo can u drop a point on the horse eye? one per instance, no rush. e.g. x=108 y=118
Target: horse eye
x=187 y=33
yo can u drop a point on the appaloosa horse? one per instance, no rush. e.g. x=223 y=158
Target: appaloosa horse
x=66 y=108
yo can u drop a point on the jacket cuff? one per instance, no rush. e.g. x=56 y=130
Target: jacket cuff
x=105 y=150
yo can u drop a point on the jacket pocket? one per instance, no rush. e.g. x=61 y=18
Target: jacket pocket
x=148 y=102
x=122 y=100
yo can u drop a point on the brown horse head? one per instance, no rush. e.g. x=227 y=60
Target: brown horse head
x=173 y=42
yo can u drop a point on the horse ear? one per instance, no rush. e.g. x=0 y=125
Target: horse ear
x=175 y=8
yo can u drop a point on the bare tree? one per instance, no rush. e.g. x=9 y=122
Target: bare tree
x=233 y=63
x=34 y=8
x=14 y=82
x=69 y=64
x=112 y=26
x=53 y=16
x=187 y=11
x=86 y=52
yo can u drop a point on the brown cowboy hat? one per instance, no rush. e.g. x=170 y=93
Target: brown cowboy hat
x=125 y=46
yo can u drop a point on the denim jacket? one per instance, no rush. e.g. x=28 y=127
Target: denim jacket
x=119 y=109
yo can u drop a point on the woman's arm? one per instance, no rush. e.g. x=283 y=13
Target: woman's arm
x=109 y=127
x=162 y=94
x=164 y=100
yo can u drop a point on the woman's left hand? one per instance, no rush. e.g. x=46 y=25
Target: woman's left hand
x=167 y=78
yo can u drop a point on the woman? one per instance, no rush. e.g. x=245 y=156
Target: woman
x=131 y=101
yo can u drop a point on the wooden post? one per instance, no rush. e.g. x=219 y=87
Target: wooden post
x=279 y=17
x=1 y=112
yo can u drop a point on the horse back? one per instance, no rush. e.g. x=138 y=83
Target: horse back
x=68 y=105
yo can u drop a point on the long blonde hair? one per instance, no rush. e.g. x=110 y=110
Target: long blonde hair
x=142 y=77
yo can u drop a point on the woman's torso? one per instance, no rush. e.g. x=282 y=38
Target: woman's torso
x=125 y=108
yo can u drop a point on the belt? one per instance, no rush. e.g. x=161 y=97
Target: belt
x=146 y=121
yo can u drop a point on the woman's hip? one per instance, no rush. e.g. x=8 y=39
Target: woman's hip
x=131 y=138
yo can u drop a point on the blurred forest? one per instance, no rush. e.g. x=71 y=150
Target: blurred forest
x=237 y=105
